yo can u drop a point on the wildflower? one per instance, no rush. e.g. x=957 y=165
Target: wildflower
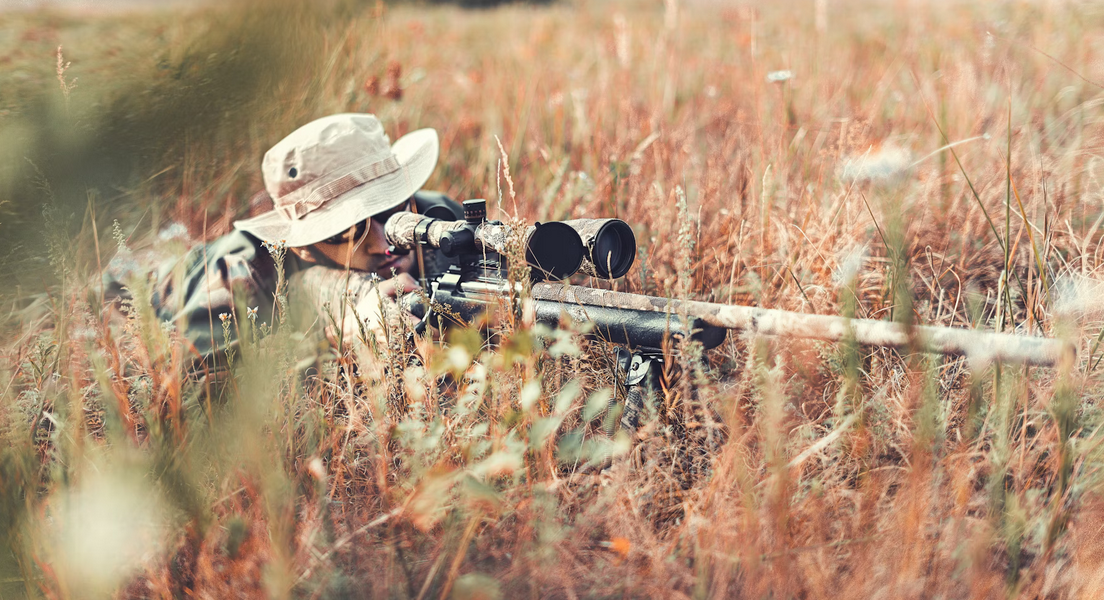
x=372 y=85
x=224 y=317
x=779 y=76
x=174 y=231
x=618 y=545
x=276 y=249
x=251 y=313
x=123 y=265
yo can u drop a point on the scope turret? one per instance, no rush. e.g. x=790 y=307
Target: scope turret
x=475 y=211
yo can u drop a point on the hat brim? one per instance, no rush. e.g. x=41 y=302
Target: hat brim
x=417 y=154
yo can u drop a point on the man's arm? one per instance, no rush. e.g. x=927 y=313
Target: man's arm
x=351 y=298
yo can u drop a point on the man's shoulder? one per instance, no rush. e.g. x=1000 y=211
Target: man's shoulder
x=232 y=257
x=236 y=242
x=237 y=246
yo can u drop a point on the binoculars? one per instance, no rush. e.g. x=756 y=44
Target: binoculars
x=556 y=250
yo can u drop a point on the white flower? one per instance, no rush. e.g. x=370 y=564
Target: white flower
x=174 y=231
x=779 y=76
x=251 y=313
x=274 y=248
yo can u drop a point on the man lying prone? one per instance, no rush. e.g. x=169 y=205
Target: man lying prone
x=333 y=183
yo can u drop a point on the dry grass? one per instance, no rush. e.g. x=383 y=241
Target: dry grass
x=832 y=191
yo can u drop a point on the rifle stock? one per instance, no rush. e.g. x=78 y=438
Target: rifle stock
x=977 y=345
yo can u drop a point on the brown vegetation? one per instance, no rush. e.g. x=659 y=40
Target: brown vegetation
x=933 y=163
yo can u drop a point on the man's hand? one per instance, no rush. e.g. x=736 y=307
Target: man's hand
x=399 y=284
x=353 y=297
x=371 y=306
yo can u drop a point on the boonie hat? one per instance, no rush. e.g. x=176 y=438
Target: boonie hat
x=335 y=172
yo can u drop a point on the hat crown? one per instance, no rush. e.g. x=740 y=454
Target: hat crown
x=335 y=172
x=320 y=151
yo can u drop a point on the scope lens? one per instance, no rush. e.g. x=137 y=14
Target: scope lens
x=555 y=250
x=614 y=249
x=607 y=252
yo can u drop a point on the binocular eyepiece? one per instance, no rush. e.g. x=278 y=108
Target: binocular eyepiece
x=604 y=248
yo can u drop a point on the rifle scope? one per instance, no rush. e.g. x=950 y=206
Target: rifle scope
x=555 y=250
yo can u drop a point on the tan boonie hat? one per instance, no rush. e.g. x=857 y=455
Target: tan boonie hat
x=335 y=172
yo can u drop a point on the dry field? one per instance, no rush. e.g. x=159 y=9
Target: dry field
x=925 y=162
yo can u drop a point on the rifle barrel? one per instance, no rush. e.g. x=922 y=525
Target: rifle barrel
x=977 y=345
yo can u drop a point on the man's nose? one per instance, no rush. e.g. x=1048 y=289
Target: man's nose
x=376 y=243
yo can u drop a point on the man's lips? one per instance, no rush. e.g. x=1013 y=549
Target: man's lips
x=386 y=265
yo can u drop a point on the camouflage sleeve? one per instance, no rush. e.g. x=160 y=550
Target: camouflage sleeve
x=216 y=279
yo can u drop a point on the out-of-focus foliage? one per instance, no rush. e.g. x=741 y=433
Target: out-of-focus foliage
x=158 y=99
x=795 y=157
x=471 y=3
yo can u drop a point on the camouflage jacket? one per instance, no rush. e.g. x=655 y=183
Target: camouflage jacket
x=212 y=279
x=236 y=275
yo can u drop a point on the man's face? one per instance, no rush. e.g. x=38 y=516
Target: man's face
x=364 y=247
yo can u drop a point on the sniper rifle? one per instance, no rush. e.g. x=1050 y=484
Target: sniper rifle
x=606 y=248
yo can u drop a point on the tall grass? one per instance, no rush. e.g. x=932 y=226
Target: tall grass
x=765 y=468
